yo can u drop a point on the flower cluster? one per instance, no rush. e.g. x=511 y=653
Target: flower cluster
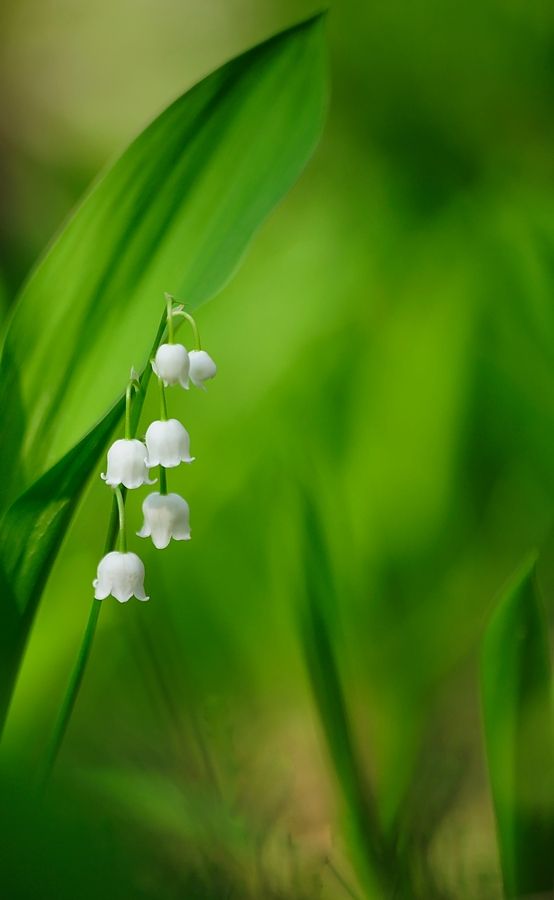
x=166 y=445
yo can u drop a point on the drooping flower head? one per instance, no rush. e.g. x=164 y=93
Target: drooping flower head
x=127 y=464
x=121 y=575
x=171 y=364
x=166 y=516
x=168 y=444
x=201 y=368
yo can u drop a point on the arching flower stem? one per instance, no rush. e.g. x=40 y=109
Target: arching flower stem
x=194 y=326
x=133 y=385
x=179 y=311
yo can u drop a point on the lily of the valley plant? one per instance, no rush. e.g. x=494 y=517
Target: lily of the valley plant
x=166 y=445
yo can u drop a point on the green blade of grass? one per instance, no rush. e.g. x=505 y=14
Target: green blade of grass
x=370 y=856
x=517 y=714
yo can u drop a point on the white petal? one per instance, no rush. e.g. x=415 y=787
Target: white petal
x=104 y=575
x=181 y=517
x=201 y=368
x=121 y=575
x=172 y=364
x=165 y=516
x=102 y=590
x=181 y=533
x=168 y=444
x=161 y=537
x=127 y=464
x=134 y=569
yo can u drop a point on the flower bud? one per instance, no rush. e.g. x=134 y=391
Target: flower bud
x=168 y=444
x=127 y=464
x=171 y=364
x=121 y=575
x=201 y=368
x=166 y=516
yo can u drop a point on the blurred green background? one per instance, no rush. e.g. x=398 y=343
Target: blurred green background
x=385 y=375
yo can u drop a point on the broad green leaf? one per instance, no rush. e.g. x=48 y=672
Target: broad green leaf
x=175 y=213
x=517 y=711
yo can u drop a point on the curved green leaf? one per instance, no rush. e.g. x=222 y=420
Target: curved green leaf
x=175 y=214
x=31 y=533
x=517 y=710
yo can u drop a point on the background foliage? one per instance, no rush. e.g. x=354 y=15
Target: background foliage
x=374 y=461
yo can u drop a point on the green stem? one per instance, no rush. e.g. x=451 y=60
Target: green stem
x=163 y=481
x=194 y=326
x=72 y=691
x=163 y=404
x=121 y=517
x=181 y=312
x=144 y=380
x=169 y=307
x=76 y=678
x=128 y=404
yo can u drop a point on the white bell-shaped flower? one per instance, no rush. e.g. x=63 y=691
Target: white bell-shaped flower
x=168 y=444
x=121 y=575
x=127 y=464
x=201 y=368
x=166 y=516
x=171 y=364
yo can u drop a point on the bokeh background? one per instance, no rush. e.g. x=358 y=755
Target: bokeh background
x=385 y=383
